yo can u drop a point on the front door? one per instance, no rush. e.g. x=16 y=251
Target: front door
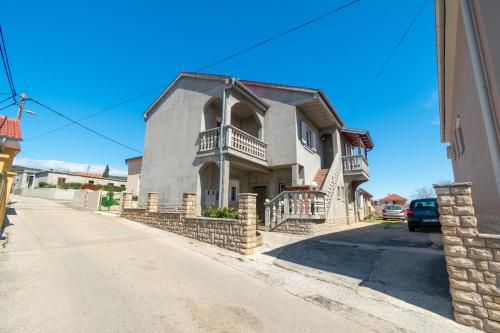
x=261 y=192
x=327 y=151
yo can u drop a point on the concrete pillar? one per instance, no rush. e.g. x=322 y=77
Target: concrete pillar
x=225 y=189
x=295 y=174
x=472 y=260
x=152 y=203
x=247 y=218
x=189 y=205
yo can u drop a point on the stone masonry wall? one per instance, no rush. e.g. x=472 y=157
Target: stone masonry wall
x=472 y=260
x=307 y=226
x=231 y=234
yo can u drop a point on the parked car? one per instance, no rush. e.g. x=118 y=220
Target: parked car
x=393 y=212
x=423 y=213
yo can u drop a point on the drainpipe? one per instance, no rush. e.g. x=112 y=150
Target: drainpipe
x=222 y=144
x=482 y=90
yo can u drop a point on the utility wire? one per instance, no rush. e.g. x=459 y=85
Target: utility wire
x=4 y=100
x=5 y=107
x=83 y=126
x=391 y=54
x=97 y=113
x=224 y=59
x=279 y=35
x=6 y=65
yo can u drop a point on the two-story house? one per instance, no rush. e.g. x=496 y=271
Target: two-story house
x=217 y=136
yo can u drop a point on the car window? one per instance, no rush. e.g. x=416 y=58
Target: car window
x=393 y=207
x=424 y=204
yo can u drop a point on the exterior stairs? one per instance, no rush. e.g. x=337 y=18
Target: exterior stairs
x=320 y=178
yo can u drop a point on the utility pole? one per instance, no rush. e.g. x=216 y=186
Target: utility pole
x=21 y=108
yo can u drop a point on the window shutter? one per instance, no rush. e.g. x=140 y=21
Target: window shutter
x=303 y=132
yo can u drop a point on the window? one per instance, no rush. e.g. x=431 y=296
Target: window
x=61 y=181
x=111 y=184
x=91 y=182
x=308 y=137
x=234 y=193
x=459 y=138
x=338 y=192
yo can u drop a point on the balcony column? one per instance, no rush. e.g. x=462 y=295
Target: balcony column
x=295 y=174
x=224 y=192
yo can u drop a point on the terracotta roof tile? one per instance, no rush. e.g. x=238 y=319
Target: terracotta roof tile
x=10 y=128
x=393 y=197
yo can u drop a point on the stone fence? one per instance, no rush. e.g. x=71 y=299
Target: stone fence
x=237 y=235
x=472 y=260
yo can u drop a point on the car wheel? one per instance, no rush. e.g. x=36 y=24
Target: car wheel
x=411 y=228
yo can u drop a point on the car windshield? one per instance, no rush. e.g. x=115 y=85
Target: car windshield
x=393 y=207
x=431 y=203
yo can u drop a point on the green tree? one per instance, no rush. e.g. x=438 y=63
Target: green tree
x=106 y=172
x=108 y=201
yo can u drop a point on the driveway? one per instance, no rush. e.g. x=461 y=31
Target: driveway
x=383 y=257
x=68 y=270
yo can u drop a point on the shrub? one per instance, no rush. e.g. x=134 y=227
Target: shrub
x=224 y=212
x=91 y=187
x=135 y=198
x=108 y=200
x=113 y=188
x=72 y=186
x=46 y=185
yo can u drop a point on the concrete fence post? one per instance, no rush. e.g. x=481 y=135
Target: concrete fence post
x=152 y=203
x=125 y=202
x=189 y=205
x=472 y=260
x=247 y=218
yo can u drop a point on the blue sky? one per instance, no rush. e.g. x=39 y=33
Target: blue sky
x=80 y=57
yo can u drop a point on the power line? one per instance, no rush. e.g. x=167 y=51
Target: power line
x=224 y=59
x=7 y=106
x=6 y=65
x=83 y=126
x=97 y=113
x=279 y=35
x=4 y=100
x=391 y=54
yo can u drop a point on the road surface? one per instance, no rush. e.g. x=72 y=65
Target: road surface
x=68 y=270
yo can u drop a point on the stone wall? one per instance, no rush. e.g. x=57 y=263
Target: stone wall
x=309 y=226
x=472 y=260
x=235 y=235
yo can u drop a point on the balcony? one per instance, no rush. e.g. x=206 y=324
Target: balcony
x=355 y=167
x=236 y=141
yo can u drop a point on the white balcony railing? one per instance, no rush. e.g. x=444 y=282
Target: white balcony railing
x=354 y=164
x=295 y=204
x=235 y=139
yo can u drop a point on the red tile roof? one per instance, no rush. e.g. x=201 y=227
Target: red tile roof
x=394 y=197
x=10 y=128
x=88 y=174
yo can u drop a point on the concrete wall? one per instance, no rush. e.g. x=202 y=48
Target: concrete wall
x=474 y=163
x=87 y=199
x=47 y=193
x=52 y=178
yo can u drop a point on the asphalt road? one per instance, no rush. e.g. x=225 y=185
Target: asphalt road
x=68 y=270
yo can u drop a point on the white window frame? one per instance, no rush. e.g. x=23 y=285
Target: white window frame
x=308 y=137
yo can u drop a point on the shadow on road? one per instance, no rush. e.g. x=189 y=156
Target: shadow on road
x=384 y=257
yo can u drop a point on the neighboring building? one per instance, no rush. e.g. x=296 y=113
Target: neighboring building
x=468 y=48
x=134 y=174
x=364 y=203
x=60 y=178
x=10 y=135
x=25 y=178
x=392 y=199
x=273 y=136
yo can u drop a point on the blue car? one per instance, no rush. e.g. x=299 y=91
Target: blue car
x=423 y=213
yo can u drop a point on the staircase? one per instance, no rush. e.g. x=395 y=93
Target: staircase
x=320 y=177
x=331 y=180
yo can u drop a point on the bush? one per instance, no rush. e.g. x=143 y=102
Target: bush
x=91 y=187
x=46 y=185
x=113 y=188
x=72 y=186
x=135 y=198
x=108 y=200
x=224 y=212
